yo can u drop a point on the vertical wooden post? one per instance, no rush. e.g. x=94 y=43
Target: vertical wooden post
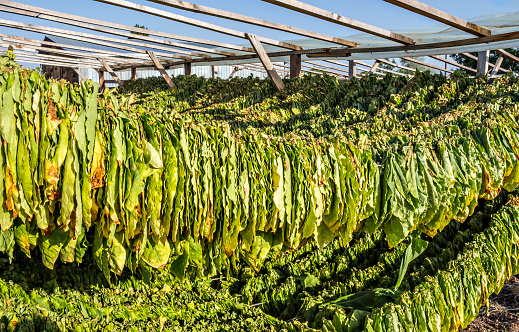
x=498 y=64
x=134 y=73
x=352 y=69
x=214 y=72
x=187 y=69
x=295 y=66
x=101 y=80
x=483 y=58
x=265 y=60
x=161 y=69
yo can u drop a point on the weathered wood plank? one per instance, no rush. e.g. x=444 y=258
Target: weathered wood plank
x=251 y=20
x=171 y=45
x=374 y=67
x=352 y=69
x=187 y=69
x=427 y=64
x=110 y=71
x=137 y=30
x=323 y=14
x=441 y=16
x=483 y=60
x=134 y=73
x=101 y=80
x=475 y=58
x=295 y=66
x=498 y=64
x=508 y=55
x=89 y=38
x=453 y=63
x=161 y=69
x=267 y=64
x=197 y=23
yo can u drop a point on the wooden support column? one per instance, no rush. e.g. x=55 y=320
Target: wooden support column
x=111 y=72
x=352 y=69
x=374 y=67
x=295 y=66
x=214 y=72
x=161 y=69
x=101 y=80
x=483 y=58
x=187 y=69
x=265 y=60
x=134 y=73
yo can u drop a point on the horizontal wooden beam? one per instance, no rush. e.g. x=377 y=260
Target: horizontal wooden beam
x=339 y=52
x=193 y=22
x=427 y=64
x=396 y=65
x=71 y=54
x=34 y=42
x=441 y=16
x=453 y=63
x=508 y=55
x=345 y=52
x=252 y=20
x=116 y=43
x=132 y=29
x=171 y=46
x=307 y=9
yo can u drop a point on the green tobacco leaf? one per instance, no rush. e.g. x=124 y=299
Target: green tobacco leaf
x=157 y=253
x=51 y=246
x=365 y=300
x=415 y=248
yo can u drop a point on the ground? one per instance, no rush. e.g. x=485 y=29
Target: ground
x=504 y=311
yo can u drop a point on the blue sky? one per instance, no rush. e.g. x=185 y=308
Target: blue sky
x=376 y=12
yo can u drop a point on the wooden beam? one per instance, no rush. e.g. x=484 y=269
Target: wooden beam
x=453 y=63
x=161 y=69
x=267 y=64
x=134 y=73
x=327 y=52
x=82 y=77
x=187 y=69
x=374 y=67
x=101 y=80
x=508 y=55
x=110 y=71
x=197 y=23
x=304 y=8
x=337 y=52
x=69 y=54
x=90 y=38
x=441 y=16
x=426 y=64
x=130 y=28
x=129 y=35
x=251 y=20
x=36 y=60
x=50 y=57
x=483 y=58
x=295 y=66
x=33 y=42
x=499 y=62
x=214 y=72
x=325 y=66
x=352 y=69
